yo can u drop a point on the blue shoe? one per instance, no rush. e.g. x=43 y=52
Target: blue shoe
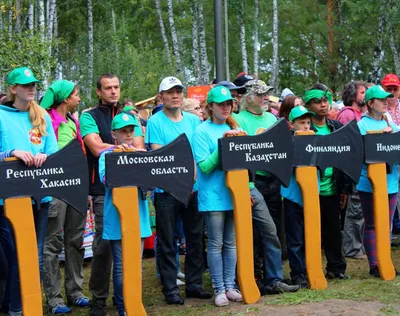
x=81 y=302
x=60 y=309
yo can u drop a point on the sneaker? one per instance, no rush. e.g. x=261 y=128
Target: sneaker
x=301 y=281
x=221 y=299
x=280 y=287
x=336 y=276
x=179 y=282
x=12 y=313
x=97 y=310
x=60 y=309
x=234 y=295
x=81 y=302
x=374 y=271
x=180 y=275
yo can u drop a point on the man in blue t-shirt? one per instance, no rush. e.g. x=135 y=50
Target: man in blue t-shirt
x=162 y=129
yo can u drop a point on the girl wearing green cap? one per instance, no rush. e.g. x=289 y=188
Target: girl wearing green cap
x=375 y=119
x=214 y=198
x=24 y=127
x=61 y=100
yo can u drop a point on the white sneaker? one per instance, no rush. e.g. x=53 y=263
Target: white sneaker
x=234 y=295
x=221 y=300
x=180 y=275
x=179 y=282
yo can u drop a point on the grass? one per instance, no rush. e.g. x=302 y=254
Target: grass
x=361 y=287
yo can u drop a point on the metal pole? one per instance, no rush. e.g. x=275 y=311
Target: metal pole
x=219 y=40
x=226 y=42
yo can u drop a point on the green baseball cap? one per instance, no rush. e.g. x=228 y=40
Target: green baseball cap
x=21 y=75
x=128 y=108
x=219 y=94
x=122 y=120
x=299 y=111
x=377 y=92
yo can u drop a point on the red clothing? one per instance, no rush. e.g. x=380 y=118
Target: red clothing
x=348 y=114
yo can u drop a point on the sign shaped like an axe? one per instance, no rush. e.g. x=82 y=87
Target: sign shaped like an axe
x=61 y=176
x=270 y=151
x=382 y=150
x=170 y=168
x=342 y=150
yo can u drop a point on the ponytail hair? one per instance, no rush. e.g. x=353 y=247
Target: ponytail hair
x=36 y=114
x=230 y=121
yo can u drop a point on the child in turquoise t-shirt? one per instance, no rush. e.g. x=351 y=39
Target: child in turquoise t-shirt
x=122 y=128
x=300 y=117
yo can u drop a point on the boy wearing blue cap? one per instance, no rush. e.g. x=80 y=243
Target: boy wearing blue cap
x=122 y=127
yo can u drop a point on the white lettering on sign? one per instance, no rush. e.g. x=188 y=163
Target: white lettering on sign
x=387 y=148
x=250 y=147
x=265 y=157
x=172 y=170
x=327 y=149
x=59 y=183
x=33 y=173
x=126 y=160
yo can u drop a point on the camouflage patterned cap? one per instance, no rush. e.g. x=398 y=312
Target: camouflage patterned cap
x=257 y=86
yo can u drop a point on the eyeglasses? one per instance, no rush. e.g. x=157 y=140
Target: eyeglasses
x=392 y=89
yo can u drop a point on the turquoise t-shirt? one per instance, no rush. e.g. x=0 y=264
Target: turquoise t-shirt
x=327 y=183
x=17 y=132
x=162 y=130
x=111 y=221
x=213 y=193
x=369 y=124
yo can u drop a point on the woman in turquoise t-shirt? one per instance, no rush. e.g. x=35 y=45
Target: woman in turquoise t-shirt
x=375 y=120
x=214 y=197
x=25 y=130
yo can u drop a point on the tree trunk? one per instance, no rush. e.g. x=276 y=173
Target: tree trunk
x=114 y=27
x=195 y=40
x=204 y=65
x=41 y=19
x=275 y=59
x=163 y=33
x=378 y=56
x=90 y=50
x=58 y=70
x=256 y=44
x=50 y=20
x=228 y=75
x=179 y=67
x=10 y=19
x=392 y=43
x=31 y=10
x=243 y=38
x=18 y=16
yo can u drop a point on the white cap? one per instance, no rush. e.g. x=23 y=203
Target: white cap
x=168 y=83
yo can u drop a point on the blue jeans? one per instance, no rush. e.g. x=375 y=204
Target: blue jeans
x=13 y=292
x=221 y=254
x=116 y=247
x=265 y=225
x=294 y=226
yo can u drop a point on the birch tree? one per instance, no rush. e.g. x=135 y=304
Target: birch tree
x=114 y=27
x=243 y=49
x=275 y=60
x=204 y=77
x=50 y=20
x=174 y=38
x=392 y=44
x=41 y=19
x=378 y=55
x=10 y=19
x=195 y=40
x=162 y=29
x=31 y=10
x=90 y=50
x=18 y=16
x=256 y=18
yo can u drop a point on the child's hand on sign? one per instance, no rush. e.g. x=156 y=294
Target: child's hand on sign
x=40 y=159
x=233 y=133
x=25 y=156
x=387 y=129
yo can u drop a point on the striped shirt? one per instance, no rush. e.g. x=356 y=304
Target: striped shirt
x=5 y=154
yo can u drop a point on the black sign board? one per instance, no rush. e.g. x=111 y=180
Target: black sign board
x=384 y=147
x=63 y=175
x=269 y=151
x=170 y=168
x=343 y=149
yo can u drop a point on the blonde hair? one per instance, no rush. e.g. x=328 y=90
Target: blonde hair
x=36 y=114
x=189 y=104
x=230 y=121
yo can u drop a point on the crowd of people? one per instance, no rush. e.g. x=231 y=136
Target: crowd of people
x=31 y=131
